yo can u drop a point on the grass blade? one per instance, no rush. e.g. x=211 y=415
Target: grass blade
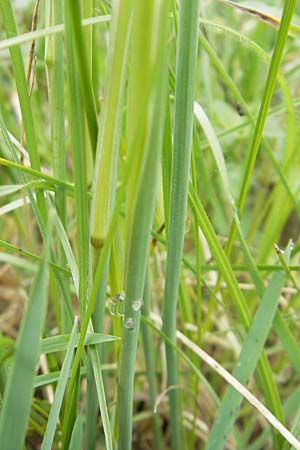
x=60 y=390
x=76 y=438
x=19 y=390
x=183 y=125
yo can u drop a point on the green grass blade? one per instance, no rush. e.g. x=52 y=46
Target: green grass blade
x=186 y=57
x=19 y=390
x=84 y=74
x=150 y=367
x=59 y=343
x=60 y=390
x=109 y=127
x=264 y=16
x=102 y=398
x=76 y=438
x=48 y=31
x=276 y=60
x=54 y=58
x=69 y=256
x=77 y=135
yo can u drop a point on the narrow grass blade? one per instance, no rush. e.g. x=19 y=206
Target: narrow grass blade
x=54 y=58
x=37 y=174
x=60 y=390
x=150 y=367
x=21 y=251
x=102 y=398
x=19 y=390
x=84 y=74
x=69 y=256
x=186 y=57
x=48 y=31
x=276 y=60
x=59 y=343
x=264 y=16
x=77 y=135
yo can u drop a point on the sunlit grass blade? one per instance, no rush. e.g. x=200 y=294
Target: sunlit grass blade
x=18 y=392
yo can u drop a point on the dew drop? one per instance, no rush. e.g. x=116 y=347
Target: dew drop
x=137 y=304
x=116 y=304
x=129 y=324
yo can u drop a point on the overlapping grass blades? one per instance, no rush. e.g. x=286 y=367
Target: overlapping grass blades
x=146 y=116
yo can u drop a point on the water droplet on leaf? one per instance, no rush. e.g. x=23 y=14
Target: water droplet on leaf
x=129 y=324
x=137 y=304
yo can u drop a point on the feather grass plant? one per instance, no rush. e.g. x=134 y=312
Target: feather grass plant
x=142 y=303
